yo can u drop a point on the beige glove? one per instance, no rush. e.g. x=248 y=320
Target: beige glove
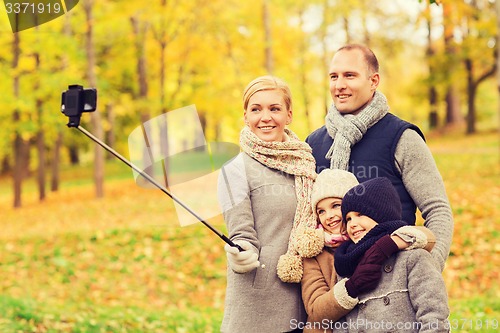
x=410 y=234
x=241 y=262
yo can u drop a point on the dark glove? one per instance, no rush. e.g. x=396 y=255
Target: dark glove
x=368 y=273
x=365 y=278
x=380 y=251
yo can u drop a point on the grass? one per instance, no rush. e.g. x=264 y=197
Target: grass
x=480 y=314
x=75 y=263
x=32 y=318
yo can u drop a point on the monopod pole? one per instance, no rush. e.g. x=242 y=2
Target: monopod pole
x=158 y=185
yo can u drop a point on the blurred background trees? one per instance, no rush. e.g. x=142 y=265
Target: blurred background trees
x=438 y=64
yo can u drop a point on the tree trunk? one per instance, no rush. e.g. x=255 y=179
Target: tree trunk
x=325 y=56
x=56 y=160
x=40 y=144
x=433 y=114
x=56 y=157
x=74 y=155
x=346 y=24
x=472 y=86
x=497 y=6
x=164 y=141
x=140 y=50
x=95 y=116
x=5 y=167
x=366 y=31
x=303 y=74
x=218 y=132
x=141 y=65
x=268 y=49
x=17 y=174
x=453 y=115
x=21 y=147
x=200 y=141
x=110 y=133
x=40 y=136
x=21 y=152
x=471 y=93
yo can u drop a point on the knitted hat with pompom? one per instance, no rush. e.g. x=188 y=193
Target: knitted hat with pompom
x=331 y=183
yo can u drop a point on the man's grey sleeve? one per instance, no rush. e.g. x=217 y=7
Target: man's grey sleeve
x=425 y=185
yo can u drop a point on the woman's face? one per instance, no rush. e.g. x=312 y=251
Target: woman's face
x=267 y=115
x=330 y=215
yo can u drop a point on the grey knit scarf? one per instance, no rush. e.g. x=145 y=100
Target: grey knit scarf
x=347 y=130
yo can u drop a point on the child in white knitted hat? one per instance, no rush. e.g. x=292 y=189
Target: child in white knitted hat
x=326 y=199
x=326 y=300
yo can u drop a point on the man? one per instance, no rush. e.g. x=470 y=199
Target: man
x=361 y=136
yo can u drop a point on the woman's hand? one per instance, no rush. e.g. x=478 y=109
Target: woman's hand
x=412 y=237
x=242 y=262
x=401 y=244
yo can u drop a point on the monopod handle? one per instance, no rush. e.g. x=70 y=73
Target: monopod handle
x=155 y=183
x=233 y=244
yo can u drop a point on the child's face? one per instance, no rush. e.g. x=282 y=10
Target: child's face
x=330 y=215
x=358 y=225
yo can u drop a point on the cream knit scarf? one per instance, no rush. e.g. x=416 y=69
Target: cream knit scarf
x=347 y=130
x=293 y=157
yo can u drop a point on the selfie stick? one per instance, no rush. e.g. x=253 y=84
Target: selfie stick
x=153 y=181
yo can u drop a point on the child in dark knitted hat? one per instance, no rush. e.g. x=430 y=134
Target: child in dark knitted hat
x=326 y=298
x=411 y=295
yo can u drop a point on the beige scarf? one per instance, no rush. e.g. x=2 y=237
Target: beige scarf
x=293 y=157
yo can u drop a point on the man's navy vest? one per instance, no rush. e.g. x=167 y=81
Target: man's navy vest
x=372 y=156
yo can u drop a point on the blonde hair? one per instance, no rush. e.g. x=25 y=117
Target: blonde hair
x=267 y=82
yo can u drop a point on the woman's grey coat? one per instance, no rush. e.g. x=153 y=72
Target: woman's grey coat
x=258 y=205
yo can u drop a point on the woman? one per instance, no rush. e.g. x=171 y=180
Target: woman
x=264 y=193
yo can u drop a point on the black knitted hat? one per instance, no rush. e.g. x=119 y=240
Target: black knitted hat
x=375 y=198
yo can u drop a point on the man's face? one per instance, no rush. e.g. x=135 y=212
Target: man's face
x=352 y=85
